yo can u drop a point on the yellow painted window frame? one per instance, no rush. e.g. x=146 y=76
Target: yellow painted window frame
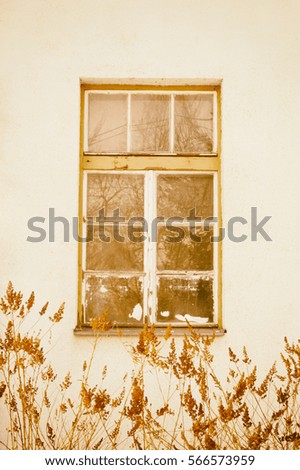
x=123 y=162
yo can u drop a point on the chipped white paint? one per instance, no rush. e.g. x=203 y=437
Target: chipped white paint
x=103 y=289
x=165 y=314
x=191 y=318
x=137 y=312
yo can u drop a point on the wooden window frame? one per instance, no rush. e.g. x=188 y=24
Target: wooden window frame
x=165 y=163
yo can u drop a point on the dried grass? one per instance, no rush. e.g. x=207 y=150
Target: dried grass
x=195 y=409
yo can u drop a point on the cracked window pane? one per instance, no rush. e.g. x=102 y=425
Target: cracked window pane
x=121 y=298
x=181 y=299
x=107 y=123
x=150 y=123
x=113 y=255
x=110 y=192
x=178 y=195
x=194 y=123
x=184 y=254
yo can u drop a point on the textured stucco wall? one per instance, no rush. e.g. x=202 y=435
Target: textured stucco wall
x=253 y=45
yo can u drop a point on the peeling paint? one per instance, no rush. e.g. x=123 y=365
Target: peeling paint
x=136 y=313
x=165 y=314
x=191 y=318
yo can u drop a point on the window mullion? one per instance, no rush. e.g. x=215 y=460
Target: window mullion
x=151 y=248
x=147 y=267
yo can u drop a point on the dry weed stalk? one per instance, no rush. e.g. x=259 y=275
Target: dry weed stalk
x=43 y=413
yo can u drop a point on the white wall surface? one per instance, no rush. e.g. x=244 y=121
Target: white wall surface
x=253 y=45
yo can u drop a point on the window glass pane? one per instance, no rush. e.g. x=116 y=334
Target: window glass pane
x=179 y=252
x=178 y=195
x=113 y=255
x=110 y=192
x=150 y=128
x=121 y=298
x=181 y=299
x=194 y=123
x=107 y=123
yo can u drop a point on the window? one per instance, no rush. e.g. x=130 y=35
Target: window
x=150 y=205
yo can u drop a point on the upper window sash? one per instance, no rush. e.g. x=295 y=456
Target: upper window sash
x=150 y=122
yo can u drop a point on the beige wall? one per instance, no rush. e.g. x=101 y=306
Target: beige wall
x=253 y=45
